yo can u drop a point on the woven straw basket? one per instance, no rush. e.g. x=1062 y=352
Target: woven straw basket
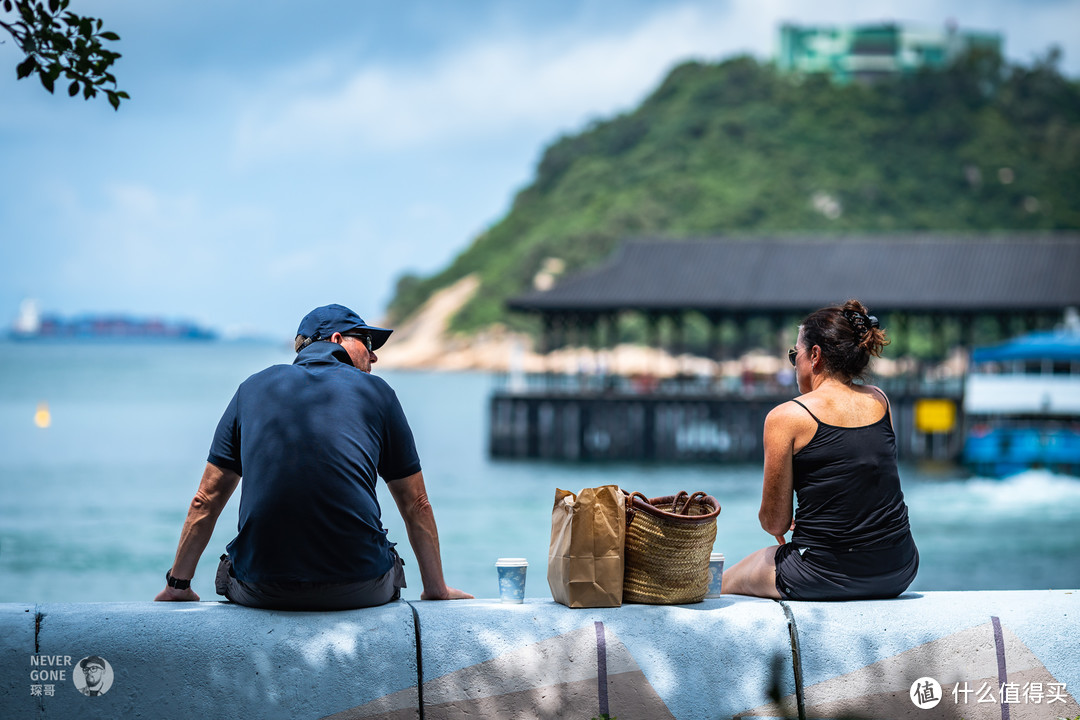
x=668 y=542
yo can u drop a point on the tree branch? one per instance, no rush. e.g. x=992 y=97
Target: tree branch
x=57 y=42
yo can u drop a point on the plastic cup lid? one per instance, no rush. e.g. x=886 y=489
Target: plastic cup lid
x=511 y=562
x=716 y=556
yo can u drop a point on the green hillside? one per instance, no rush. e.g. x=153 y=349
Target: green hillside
x=737 y=148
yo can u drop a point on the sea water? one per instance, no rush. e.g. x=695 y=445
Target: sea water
x=102 y=447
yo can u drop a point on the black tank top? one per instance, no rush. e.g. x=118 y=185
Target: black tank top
x=848 y=488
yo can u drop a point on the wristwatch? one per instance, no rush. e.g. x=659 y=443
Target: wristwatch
x=176 y=583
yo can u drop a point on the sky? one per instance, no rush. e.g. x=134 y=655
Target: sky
x=276 y=156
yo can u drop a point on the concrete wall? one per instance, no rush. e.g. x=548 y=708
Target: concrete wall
x=724 y=658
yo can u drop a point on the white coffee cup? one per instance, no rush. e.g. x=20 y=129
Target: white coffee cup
x=512 y=579
x=716 y=573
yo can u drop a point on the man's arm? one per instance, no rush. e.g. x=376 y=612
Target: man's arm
x=411 y=497
x=215 y=489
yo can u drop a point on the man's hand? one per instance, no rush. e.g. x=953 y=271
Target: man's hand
x=451 y=594
x=173 y=595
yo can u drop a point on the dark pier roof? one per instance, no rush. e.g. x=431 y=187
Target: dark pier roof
x=913 y=273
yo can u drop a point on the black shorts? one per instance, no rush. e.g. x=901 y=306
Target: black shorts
x=815 y=574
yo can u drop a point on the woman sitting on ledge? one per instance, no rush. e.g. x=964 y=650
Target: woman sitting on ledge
x=834 y=448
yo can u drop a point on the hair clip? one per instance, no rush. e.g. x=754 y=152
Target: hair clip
x=860 y=321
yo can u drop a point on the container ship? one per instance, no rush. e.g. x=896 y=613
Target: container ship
x=33 y=325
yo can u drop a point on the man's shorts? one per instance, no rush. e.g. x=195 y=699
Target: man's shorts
x=311 y=596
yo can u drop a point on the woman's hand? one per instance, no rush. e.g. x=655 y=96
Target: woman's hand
x=780 y=538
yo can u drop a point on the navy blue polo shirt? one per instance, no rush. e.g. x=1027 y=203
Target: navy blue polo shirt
x=309 y=439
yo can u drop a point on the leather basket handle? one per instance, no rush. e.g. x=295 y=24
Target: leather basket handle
x=630 y=511
x=690 y=501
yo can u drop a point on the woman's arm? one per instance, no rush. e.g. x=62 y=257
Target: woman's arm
x=777 y=494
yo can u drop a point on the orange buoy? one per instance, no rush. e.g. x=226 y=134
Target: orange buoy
x=43 y=418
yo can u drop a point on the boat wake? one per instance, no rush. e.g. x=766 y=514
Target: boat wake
x=1018 y=494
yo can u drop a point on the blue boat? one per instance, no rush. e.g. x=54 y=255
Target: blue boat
x=1022 y=405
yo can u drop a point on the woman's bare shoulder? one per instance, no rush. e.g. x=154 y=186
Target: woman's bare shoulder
x=788 y=412
x=875 y=392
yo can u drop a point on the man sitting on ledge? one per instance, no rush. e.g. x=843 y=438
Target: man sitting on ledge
x=309 y=439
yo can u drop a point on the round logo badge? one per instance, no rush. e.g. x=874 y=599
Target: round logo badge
x=925 y=693
x=92 y=676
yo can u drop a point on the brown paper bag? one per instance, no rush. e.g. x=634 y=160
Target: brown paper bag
x=585 y=559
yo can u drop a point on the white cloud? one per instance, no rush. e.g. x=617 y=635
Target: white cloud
x=500 y=85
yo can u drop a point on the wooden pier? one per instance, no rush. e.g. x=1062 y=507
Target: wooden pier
x=679 y=424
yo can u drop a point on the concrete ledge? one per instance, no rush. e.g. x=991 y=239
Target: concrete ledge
x=214 y=660
x=712 y=659
x=16 y=643
x=480 y=659
x=857 y=656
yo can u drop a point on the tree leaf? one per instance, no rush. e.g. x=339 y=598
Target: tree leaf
x=46 y=81
x=43 y=15
x=26 y=67
x=109 y=35
x=114 y=99
x=73 y=89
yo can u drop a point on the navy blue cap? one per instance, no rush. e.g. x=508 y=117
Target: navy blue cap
x=322 y=322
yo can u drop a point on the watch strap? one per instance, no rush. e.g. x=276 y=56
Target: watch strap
x=176 y=583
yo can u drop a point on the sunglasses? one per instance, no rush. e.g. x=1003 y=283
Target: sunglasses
x=362 y=337
x=792 y=354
